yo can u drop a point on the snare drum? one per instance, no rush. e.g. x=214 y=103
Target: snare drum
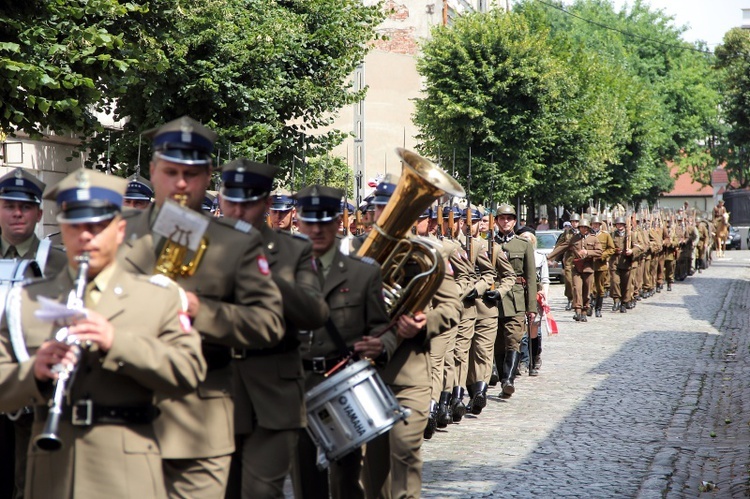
x=349 y=409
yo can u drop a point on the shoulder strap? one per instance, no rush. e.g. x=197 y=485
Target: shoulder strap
x=336 y=337
x=12 y=305
x=43 y=252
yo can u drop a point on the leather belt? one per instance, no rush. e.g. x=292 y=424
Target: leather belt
x=320 y=365
x=87 y=413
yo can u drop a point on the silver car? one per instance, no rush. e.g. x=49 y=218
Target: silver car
x=545 y=240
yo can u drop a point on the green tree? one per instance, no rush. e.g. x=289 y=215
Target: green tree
x=492 y=90
x=60 y=62
x=733 y=63
x=262 y=73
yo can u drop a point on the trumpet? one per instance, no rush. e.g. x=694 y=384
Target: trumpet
x=171 y=260
x=48 y=440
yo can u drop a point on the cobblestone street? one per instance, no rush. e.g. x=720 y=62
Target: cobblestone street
x=652 y=403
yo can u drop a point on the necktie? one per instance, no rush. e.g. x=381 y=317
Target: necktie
x=91 y=295
x=12 y=252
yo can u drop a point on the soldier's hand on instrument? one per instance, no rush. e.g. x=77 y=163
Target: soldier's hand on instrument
x=94 y=328
x=369 y=347
x=410 y=326
x=50 y=354
x=194 y=304
x=629 y=252
x=531 y=316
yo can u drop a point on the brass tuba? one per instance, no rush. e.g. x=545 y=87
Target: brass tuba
x=420 y=185
x=171 y=260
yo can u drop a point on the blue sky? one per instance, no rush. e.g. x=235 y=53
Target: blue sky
x=707 y=20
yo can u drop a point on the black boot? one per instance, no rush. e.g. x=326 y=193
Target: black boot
x=478 y=393
x=535 y=345
x=577 y=316
x=444 y=416
x=590 y=310
x=429 y=431
x=569 y=306
x=623 y=309
x=509 y=368
x=495 y=376
x=458 y=409
x=599 y=302
x=669 y=286
x=616 y=306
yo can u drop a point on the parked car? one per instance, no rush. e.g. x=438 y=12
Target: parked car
x=545 y=241
x=734 y=240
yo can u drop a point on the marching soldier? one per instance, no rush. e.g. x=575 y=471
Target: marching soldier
x=671 y=246
x=703 y=244
x=585 y=247
x=139 y=193
x=601 y=264
x=567 y=261
x=141 y=345
x=481 y=354
x=232 y=300
x=513 y=307
x=442 y=346
x=268 y=383
x=353 y=289
x=622 y=263
x=20 y=211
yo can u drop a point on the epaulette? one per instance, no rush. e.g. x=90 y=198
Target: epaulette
x=238 y=225
x=366 y=259
x=160 y=280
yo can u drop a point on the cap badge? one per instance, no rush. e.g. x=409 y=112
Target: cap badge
x=83 y=179
x=187 y=132
x=315 y=201
x=18 y=174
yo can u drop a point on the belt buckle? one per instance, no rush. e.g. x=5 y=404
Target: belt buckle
x=83 y=413
x=238 y=353
x=319 y=365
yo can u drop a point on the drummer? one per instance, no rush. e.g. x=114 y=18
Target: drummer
x=353 y=289
x=20 y=212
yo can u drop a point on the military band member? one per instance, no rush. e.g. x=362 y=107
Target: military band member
x=141 y=345
x=139 y=193
x=282 y=211
x=520 y=303
x=353 y=290
x=601 y=264
x=671 y=243
x=269 y=383
x=20 y=212
x=232 y=300
x=393 y=461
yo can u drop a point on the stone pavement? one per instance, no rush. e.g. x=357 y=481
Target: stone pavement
x=645 y=404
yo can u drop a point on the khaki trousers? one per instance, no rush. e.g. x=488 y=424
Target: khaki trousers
x=393 y=461
x=440 y=346
x=463 y=344
x=482 y=349
x=196 y=478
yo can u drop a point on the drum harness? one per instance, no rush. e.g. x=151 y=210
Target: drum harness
x=10 y=300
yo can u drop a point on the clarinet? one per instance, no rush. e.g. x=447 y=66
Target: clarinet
x=49 y=440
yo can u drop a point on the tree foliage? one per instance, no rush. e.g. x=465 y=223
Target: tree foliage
x=570 y=110
x=733 y=63
x=60 y=62
x=263 y=73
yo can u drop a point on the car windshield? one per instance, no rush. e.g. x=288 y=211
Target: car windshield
x=546 y=241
